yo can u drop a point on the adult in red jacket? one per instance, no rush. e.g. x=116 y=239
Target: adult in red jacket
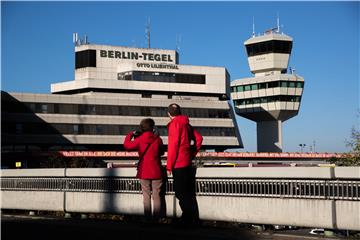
x=184 y=143
x=150 y=149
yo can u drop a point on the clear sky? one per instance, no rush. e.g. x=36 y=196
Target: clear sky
x=37 y=50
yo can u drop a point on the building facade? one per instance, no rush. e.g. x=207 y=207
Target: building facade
x=113 y=90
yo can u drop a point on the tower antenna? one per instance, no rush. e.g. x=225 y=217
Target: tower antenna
x=75 y=39
x=278 y=23
x=178 y=41
x=253 y=32
x=147 y=31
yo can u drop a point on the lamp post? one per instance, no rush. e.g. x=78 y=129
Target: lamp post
x=302 y=146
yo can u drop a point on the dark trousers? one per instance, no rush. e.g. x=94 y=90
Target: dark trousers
x=184 y=187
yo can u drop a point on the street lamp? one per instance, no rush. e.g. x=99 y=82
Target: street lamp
x=302 y=146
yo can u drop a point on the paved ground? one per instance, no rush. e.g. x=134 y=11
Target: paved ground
x=40 y=227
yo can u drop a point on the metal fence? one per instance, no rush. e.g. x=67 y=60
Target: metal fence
x=281 y=188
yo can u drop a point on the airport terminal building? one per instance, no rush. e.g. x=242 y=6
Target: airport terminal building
x=114 y=88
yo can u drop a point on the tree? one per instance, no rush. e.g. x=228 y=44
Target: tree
x=351 y=158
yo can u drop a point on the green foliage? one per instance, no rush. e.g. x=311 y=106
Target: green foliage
x=352 y=158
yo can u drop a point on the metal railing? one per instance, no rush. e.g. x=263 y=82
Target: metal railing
x=278 y=188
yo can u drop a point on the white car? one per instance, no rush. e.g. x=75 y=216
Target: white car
x=317 y=231
x=279 y=227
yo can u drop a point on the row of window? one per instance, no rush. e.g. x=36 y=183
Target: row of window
x=280 y=98
x=89 y=109
x=273 y=46
x=162 y=77
x=265 y=85
x=97 y=129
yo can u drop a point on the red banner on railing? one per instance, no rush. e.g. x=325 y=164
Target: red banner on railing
x=239 y=155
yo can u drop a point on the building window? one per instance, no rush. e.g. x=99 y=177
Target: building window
x=256 y=100
x=272 y=84
x=114 y=110
x=125 y=76
x=240 y=88
x=278 y=98
x=44 y=108
x=56 y=108
x=32 y=107
x=104 y=129
x=99 y=129
x=162 y=77
x=91 y=109
x=19 y=128
x=86 y=58
x=299 y=85
x=76 y=129
x=145 y=95
x=265 y=85
x=284 y=84
x=292 y=84
x=273 y=46
x=262 y=85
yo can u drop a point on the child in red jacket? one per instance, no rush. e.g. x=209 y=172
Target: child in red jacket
x=150 y=148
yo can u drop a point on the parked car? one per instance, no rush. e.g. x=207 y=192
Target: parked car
x=279 y=227
x=317 y=231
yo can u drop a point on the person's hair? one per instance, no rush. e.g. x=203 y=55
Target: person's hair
x=147 y=124
x=174 y=109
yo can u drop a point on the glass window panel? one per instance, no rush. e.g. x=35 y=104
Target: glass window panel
x=18 y=128
x=66 y=109
x=240 y=88
x=262 y=47
x=32 y=107
x=291 y=84
x=44 y=108
x=76 y=129
x=262 y=85
x=256 y=49
x=284 y=84
x=249 y=50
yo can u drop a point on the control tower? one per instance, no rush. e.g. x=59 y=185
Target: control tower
x=273 y=95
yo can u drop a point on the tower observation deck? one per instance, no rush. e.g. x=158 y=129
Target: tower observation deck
x=273 y=95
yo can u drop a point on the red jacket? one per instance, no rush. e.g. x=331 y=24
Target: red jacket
x=149 y=166
x=180 y=135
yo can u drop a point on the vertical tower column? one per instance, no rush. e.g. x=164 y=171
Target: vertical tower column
x=269 y=136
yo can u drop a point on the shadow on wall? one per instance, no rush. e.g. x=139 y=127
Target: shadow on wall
x=26 y=138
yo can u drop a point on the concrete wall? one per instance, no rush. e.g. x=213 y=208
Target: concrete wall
x=325 y=213
x=289 y=212
x=33 y=200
